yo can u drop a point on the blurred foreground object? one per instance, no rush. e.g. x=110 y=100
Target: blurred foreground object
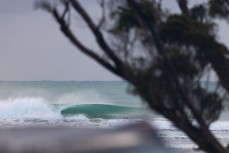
x=139 y=138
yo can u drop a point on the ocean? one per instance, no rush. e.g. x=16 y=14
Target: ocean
x=88 y=104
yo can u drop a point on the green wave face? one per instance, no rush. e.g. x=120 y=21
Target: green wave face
x=101 y=111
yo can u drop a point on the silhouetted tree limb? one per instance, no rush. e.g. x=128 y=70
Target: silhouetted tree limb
x=183 y=6
x=102 y=20
x=100 y=39
x=172 y=74
x=171 y=71
x=69 y=34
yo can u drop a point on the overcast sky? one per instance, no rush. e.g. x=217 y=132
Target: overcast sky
x=33 y=48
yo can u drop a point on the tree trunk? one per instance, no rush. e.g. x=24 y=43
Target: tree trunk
x=205 y=140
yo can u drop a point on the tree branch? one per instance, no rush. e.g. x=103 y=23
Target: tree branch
x=103 y=16
x=183 y=96
x=183 y=4
x=69 y=34
x=102 y=43
x=172 y=73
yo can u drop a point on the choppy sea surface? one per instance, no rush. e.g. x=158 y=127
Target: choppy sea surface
x=90 y=104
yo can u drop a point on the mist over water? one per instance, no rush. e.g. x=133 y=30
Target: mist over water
x=70 y=92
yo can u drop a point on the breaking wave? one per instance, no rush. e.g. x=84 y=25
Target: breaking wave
x=34 y=108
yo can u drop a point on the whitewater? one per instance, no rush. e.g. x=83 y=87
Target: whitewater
x=90 y=104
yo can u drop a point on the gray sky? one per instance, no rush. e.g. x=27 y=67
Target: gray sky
x=33 y=48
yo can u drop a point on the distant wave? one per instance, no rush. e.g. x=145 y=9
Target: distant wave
x=39 y=108
x=104 y=111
